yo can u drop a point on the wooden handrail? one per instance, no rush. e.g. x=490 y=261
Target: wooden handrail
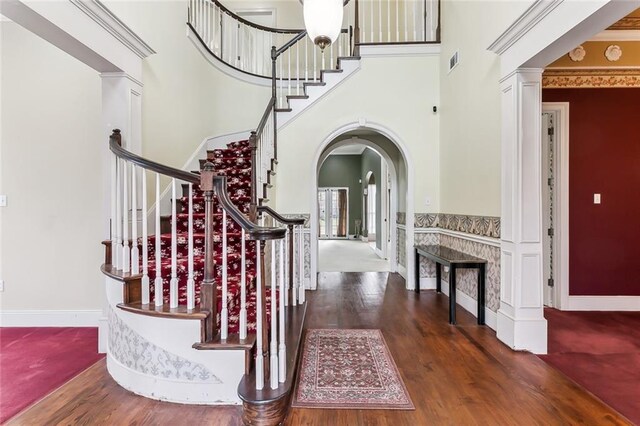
x=253 y=24
x=265 y=116
x=277 y=216
x=120 y=152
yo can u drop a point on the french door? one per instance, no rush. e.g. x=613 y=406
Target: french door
x=333 y=212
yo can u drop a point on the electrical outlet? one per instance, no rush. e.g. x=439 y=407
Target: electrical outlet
x=1 y=285
x=596 y=198
x=3 y=201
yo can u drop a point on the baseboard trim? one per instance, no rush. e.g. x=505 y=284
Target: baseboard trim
x=602 y=303
x=402 y=271
x=471 y=305
x=44 y=318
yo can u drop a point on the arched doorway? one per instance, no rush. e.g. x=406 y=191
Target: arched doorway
x=399 y=169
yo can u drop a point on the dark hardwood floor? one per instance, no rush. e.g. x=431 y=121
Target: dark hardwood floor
x=456 y=375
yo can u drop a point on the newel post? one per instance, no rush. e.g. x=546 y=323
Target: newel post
x=117 y=136
x=208 y=294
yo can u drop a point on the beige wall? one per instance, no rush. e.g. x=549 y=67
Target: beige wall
x=405 y=111
x=470 y=105
x=50 y=171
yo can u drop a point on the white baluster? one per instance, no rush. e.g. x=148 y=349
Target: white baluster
x=289 y=71
x=406 y=26
x=286 y=271
x=173 y=283
x=331 y=48
x=114 y=211
x=235 y=31
x=135 y=251
x=273 y=352
x=281 y=85
x=294 y=286
x=224 y=313
x=397 y=20
x=259 y=357
x=158 y=281
x=415 y=25
x=191 y=285
x=389 y=20
x=243 y=289
x=315 y=60
x=126 y=251
x=145 y=243
x=371 y=29
x=306 y=59
x=301 y=264
x=282 y=347
x=380 y=20
x=297 y=68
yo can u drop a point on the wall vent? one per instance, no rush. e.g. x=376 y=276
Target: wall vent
x=453 y=61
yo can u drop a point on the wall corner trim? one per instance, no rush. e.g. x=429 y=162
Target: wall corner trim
x=521 y=26
x=114 y=26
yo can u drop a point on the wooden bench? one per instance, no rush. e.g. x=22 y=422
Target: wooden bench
x=454 y=260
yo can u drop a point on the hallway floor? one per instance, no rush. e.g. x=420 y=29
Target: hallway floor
x=600 y=351
x=456 y=375
x=349 y=256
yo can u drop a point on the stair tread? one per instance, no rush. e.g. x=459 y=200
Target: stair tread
x=233 y=342
x=181 y=312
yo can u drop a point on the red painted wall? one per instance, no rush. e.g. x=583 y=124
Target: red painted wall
x=604 y=158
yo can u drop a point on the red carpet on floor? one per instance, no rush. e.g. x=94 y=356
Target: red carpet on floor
x=35 y=361
x=601 y=352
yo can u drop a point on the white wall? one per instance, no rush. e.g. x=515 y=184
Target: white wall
x=470 y=105
x=405 y=110
x=50 y=171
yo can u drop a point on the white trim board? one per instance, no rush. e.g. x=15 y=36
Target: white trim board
x=387 y=50
x=48 y=318
x=602 y=303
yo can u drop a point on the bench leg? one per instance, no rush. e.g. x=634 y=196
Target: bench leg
x=417 y=270
x=481 y=294
x=452 y=295
x=438 y=277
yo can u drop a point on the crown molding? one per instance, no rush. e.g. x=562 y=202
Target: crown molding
x=534 y=14
x=617 y=35
x=114 y=26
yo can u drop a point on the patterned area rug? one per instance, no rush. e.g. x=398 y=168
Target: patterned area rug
x=349 y=369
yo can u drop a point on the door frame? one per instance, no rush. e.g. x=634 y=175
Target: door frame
x=560 y=112
x=325 y=188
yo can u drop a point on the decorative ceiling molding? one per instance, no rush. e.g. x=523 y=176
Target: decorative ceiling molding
x=534 y=14
x=617 y=35
x=590 y=78
x=114 y=26
x=627 y=23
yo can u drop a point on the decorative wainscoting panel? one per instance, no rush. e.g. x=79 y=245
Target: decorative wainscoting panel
x=400 y=246
x=427 y=267
x=135 y=352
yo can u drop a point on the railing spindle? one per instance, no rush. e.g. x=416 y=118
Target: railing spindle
x=135 y=251
x=282 y=347
x=126 y=251
x=301 y=263
x=298 y=68
x=243 y=289
x=114 y=212
x=191 y=285
x=224 y=313
x=145 y=242
x=173 y=282
x=273 y=350
x=157 y=283
x=259 y=357
x=294 y=287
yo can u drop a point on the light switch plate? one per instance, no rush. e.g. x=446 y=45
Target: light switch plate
x=3 y=201
x=596 y=198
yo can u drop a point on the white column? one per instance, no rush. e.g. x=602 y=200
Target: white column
x=521 y=322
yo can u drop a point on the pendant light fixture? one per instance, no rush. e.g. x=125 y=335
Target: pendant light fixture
x=323 y=20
